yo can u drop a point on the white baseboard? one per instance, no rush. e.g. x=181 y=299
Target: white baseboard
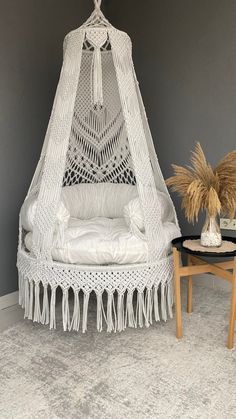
x=9 y=300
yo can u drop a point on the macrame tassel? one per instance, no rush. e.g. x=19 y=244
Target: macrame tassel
x=100 y=311
x=163 y=302
x=149 y=305
x=65 y=310
x=170 y=299
x=45 y=311
x=130 y=317
x=120 y=313
x=156 y=304
x=85 y=312
x=21 y=291
x=110 y=307
x=97 y=78
x=26 y=298
x=37 y=312
x=52 y=323
x=75 y=322
x=140 y=310
x=31 y=300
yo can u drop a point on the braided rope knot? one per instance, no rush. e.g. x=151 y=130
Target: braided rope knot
x=97 y=4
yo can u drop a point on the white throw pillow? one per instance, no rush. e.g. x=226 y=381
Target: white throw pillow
x=28 y=212
x=133 y=215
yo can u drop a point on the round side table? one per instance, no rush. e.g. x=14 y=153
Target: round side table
x=196 y=265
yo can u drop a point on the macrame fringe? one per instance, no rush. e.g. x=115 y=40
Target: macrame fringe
x=100 y=312
x=21 y=291
x=45 y=311
x=130 y=319
x=156 y=304
x=65 y=310
x=85 y=312
x=31 y=300
x=26 y=292
x=141 y=310
x=52 y=323
x=37 y=311
x=75 y=322
x=116 y=311
x=111 y=313
x=120 y=313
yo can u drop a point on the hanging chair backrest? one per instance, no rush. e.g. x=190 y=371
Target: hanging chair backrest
x=99 y=200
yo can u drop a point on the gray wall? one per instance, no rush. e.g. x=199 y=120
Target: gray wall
x=185 y=58
x=31 y=38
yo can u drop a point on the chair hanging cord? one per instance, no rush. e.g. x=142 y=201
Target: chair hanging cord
x=97 y=4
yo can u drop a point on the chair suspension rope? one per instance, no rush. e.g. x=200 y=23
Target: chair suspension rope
x=97 y=4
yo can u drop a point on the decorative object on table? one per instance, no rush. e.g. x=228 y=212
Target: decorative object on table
x=196 y=265
x=205 y=188
x=79 y=230
x=196 y=246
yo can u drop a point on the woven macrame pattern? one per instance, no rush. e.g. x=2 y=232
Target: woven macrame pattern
x=98 y=132
x=98 y=147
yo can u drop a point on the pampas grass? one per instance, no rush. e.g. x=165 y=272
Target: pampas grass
x=205 y=188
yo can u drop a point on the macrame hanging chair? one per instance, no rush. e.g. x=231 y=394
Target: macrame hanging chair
x=97 y=160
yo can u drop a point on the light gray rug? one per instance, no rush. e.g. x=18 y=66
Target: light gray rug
x=141 y=373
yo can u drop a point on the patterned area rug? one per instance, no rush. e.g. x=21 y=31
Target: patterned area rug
x=141 y=373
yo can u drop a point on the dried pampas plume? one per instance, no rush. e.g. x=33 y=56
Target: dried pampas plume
x=204 y=188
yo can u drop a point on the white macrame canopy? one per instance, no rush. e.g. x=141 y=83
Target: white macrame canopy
x=98 y=132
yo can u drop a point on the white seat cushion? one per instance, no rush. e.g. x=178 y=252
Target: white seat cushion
x=98 y=241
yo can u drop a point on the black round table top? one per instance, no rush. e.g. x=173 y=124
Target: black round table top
x=178 y=244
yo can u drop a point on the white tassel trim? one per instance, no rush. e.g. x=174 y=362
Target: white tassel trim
x=129 y=316
x=120 y=313
x=163 y=302
x=52 y=323
x=111 y=313
x=121 y=310
x=31 y=300
x=156 y=304
x=26 y=299
x=85 y=312
x=45 y=311
x=75 y=323
x=100 y=312
x=65 y=310
x=37 y=311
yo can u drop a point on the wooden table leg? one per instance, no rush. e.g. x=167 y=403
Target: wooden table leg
x=190 y=290
x=230 y=342
x=178 y=314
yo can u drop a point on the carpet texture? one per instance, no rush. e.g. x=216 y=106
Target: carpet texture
x=140 y=373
